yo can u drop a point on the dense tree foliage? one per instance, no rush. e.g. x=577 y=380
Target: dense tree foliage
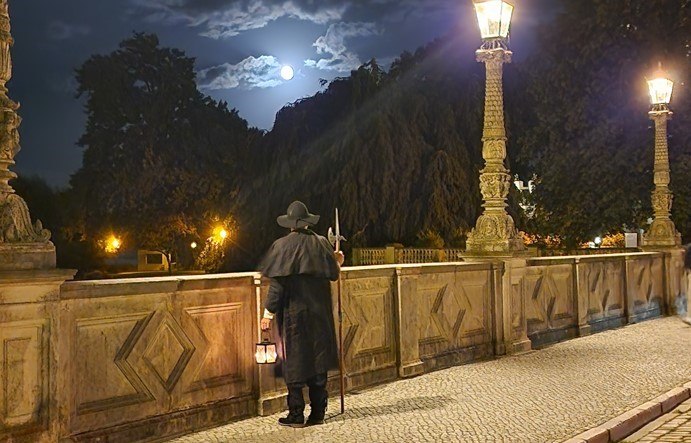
x=591 y=142
x=160 y=158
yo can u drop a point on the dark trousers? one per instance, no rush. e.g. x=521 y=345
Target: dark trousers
x=318 y=396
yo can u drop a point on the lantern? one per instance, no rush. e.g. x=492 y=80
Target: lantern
x=494 y=18
x=660 y=89
x=266 y=352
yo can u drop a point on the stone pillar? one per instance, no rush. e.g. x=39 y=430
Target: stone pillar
x=662 y=232
x=495 y=232
x=407 y=325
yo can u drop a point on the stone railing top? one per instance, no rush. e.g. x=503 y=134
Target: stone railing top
x=592 y=258
x=153 y=285
x=417 y=265
x=179 y=283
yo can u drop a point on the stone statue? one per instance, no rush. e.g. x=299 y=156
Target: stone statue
x=15 y=221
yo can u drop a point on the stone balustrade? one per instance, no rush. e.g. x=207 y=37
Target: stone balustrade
x=140 y=359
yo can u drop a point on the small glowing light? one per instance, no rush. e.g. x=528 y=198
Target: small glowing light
x=112 y=244
x=193 y=245
x=220 y=234
x=598 y=240
x=287 y=72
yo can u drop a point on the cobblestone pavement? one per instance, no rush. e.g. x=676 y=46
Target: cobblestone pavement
x=543 y=396
x=672 y=427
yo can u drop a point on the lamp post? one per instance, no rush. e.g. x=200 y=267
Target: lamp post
x=662 y=231
x=495 y=231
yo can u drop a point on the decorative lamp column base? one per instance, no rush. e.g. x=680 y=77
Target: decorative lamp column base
x=495 y=234
x=662 y=233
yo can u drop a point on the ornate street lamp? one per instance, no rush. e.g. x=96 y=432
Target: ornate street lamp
x=495 y=231
x=662 y=231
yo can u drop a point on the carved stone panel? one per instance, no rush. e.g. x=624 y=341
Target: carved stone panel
x=550 y=298
x=137 y=356
x=368 y=333
x=103 y=374
x=23 y=383
x=453 y=311
x=602 y=290
x=645 y=284
x=220 y=326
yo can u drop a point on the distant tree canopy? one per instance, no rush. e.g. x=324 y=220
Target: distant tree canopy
x=160 y=158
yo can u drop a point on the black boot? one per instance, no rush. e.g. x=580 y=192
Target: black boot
x=294 y=420
x=318 y=400
x=296 y=408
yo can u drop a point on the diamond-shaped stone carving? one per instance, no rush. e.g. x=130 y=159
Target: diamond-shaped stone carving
x=447 y=312
x=169 y=353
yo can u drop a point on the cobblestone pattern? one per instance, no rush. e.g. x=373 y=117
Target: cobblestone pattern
x=672 y=427
x=543 y=396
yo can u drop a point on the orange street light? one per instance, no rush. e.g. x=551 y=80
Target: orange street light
x=113 y=244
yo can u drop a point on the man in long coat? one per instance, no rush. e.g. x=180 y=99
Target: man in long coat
x=300 y=267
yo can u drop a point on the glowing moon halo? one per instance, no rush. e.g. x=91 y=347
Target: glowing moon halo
x=287 y=72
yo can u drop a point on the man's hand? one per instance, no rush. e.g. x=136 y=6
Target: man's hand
x=340 y=258
x=265 y=324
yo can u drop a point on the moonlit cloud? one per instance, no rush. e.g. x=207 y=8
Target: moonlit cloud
x=250 y=73
x=333 y=44
x=222 y=19
x=59 y=30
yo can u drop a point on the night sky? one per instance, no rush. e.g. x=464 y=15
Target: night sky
x=239 y=47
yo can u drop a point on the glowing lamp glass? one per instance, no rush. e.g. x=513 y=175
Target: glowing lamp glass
x=660 y=90
x=265 y=353
x=494 y=18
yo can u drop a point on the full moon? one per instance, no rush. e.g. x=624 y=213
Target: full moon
x=287 y=72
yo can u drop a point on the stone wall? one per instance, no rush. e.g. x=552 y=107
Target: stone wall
x=134 y=360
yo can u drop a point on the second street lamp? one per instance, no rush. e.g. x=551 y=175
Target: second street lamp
x=662 y=232
x=495 y=231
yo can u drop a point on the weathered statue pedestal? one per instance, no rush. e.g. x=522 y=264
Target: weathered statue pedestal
x=26 y=256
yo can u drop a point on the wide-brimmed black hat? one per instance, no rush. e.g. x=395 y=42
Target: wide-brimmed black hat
x=297 y=216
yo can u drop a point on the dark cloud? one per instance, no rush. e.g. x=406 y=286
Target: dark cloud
x=219 y=19
x=59 y=30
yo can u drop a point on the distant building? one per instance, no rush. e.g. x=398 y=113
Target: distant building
x=151 y=261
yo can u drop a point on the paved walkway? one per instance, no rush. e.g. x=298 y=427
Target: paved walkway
x=672 y=427
x=543 y=396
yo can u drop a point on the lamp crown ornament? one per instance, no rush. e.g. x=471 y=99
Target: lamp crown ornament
x=15 y=221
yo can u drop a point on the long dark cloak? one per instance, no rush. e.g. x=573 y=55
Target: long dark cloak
x=300 y=267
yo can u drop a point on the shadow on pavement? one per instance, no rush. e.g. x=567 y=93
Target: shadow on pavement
x=424 y=403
